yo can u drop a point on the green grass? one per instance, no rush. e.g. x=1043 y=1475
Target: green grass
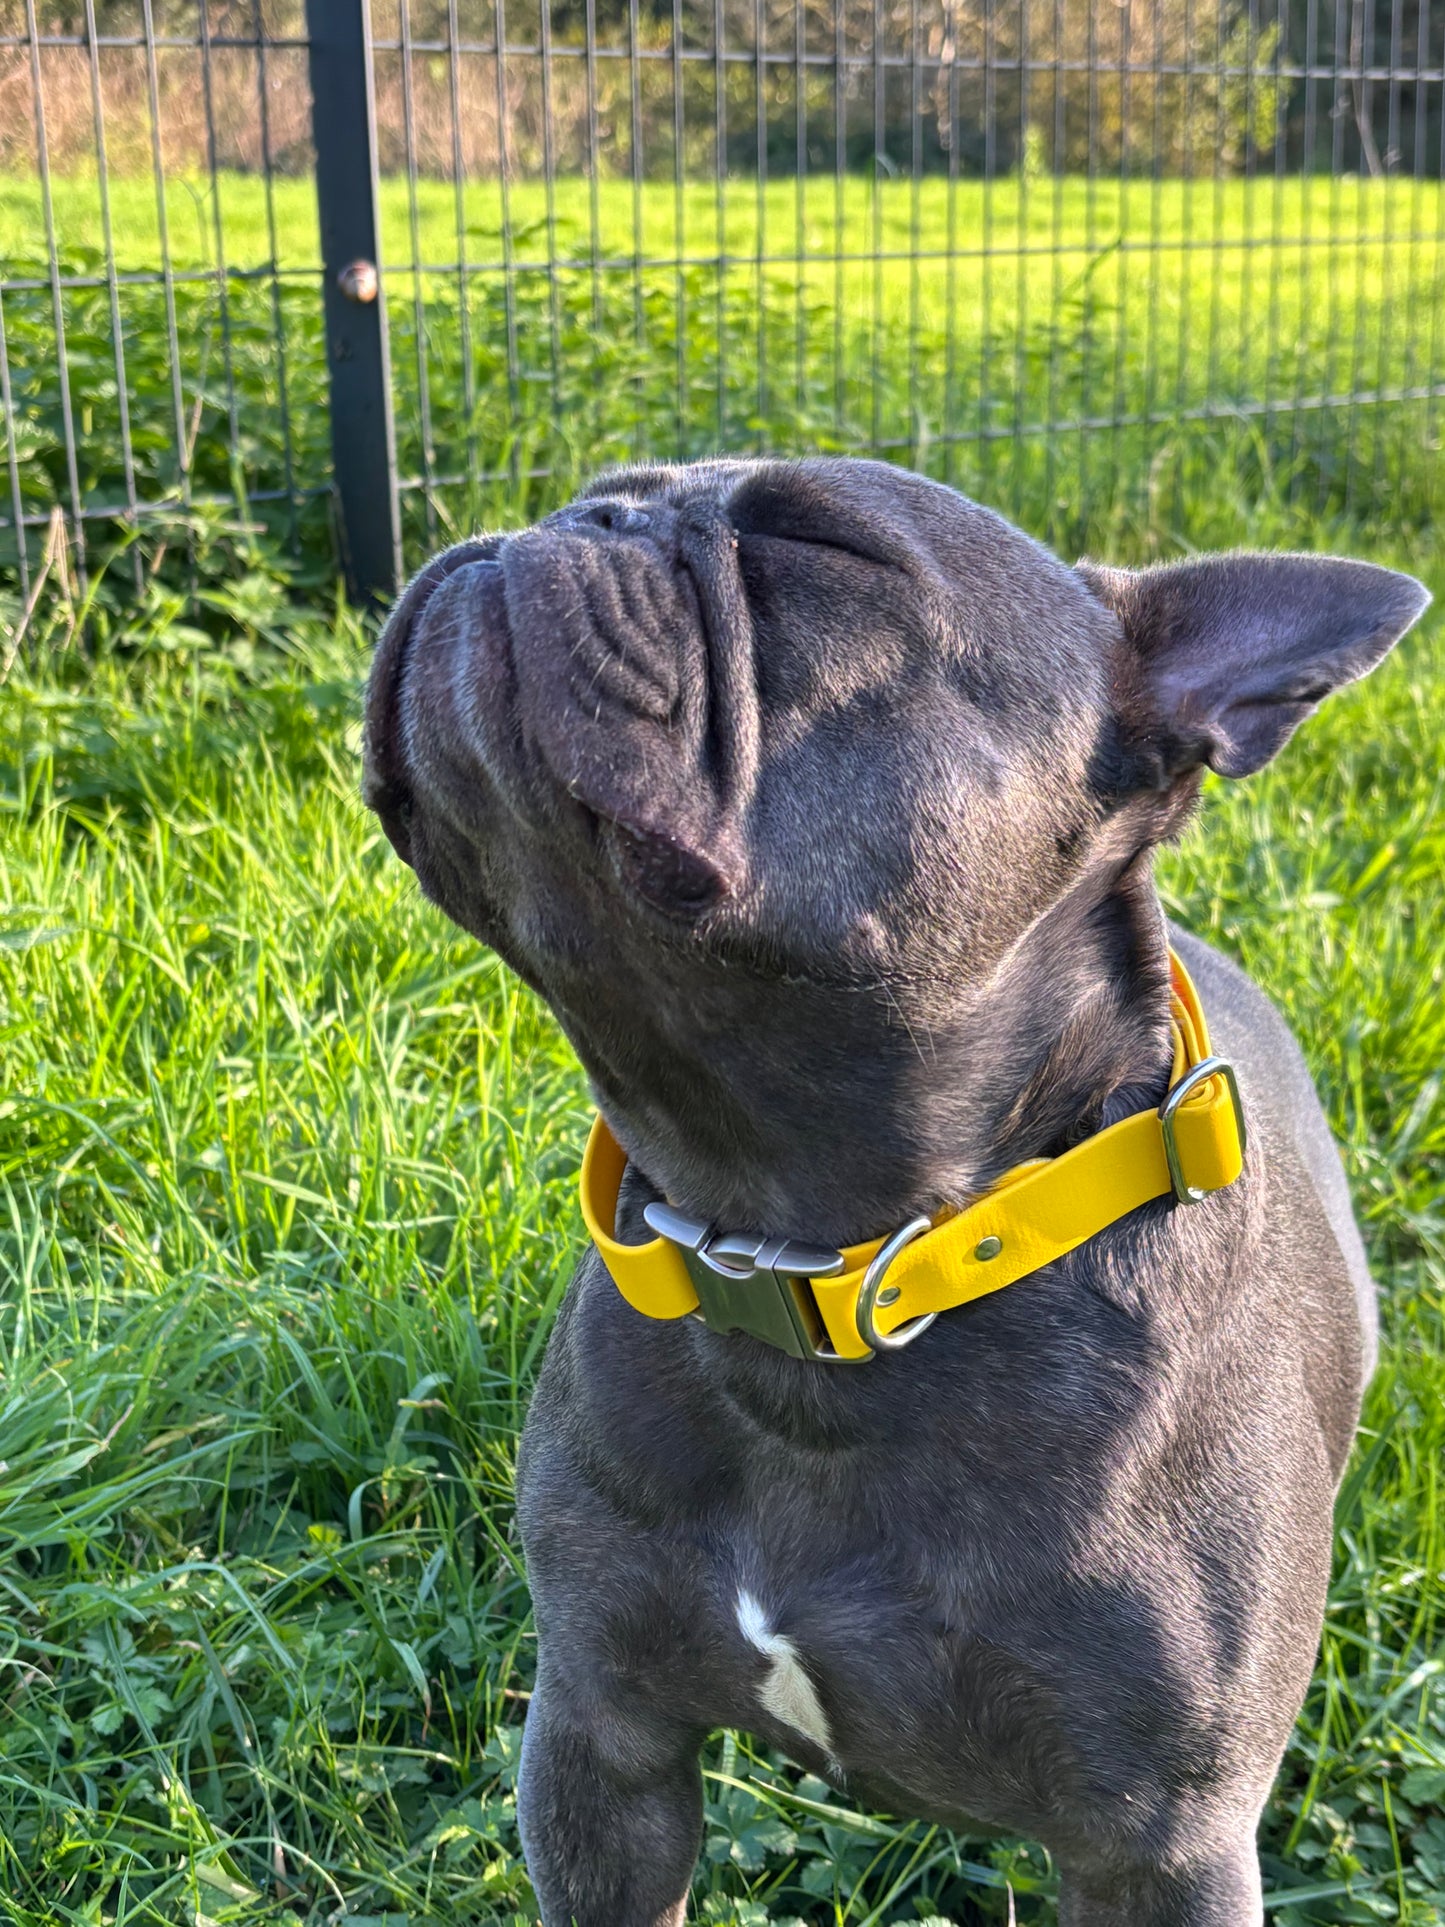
x=1194 y=314
x=286 y=1165
x=286 y=1206
x=1351 y=208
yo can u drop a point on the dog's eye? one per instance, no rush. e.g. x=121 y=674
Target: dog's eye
x=674 y=878
x=773 y=512
x=838 y=544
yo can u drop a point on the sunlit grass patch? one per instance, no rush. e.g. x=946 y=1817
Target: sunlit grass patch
x=1094 y=355
x=286 y=1207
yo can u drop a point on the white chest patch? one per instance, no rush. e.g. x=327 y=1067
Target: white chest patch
x=786 y=1691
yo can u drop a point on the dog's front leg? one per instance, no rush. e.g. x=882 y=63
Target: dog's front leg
x=1216 y=1887
x=610 y=1806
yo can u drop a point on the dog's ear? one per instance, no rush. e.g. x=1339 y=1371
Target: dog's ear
x=1225 y=656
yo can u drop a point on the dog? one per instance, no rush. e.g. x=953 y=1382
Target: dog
x=820 y=804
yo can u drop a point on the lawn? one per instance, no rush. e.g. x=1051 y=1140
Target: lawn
x=286 y=1206
x=1199 y=327
x=287 y=1166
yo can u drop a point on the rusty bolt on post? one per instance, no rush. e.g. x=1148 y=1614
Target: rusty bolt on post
x=358 y=281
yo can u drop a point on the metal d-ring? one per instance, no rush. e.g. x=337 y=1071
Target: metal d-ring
x=1190 y=1082
x=872 y=1283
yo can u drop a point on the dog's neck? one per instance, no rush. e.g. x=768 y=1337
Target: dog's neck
x=1081 y=1039
x=850 y=1139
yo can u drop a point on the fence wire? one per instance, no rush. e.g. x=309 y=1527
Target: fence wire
x=1072 y=255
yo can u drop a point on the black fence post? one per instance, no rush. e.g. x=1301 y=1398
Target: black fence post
x=363 y=435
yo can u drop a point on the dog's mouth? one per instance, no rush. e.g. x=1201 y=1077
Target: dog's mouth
x=389 y=771
x=591 y=674
x=597 y=679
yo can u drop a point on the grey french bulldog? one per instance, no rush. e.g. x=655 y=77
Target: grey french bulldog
x=820 y=804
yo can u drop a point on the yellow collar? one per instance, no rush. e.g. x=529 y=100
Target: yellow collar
x=841 y=1307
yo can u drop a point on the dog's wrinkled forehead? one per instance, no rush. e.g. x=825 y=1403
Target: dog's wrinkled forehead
x=855 y=579
x=811 y=532
x=781 y=694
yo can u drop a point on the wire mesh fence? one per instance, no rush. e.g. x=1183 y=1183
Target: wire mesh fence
x=156 y=329
x=1071 y=255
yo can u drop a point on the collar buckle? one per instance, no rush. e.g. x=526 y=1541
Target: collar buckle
x=756 y=1285
x=1197 y=1074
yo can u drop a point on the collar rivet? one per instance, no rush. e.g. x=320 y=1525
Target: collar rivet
x=987 y=1248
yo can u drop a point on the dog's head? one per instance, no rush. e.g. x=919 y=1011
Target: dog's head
x=803 y=789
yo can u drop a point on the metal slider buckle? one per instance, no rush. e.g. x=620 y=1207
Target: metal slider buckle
x=1206 y=1068
x=754 y=1285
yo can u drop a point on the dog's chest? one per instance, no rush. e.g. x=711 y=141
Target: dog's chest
x=922 y=1610
x=877 y=1657
x=889 y=1680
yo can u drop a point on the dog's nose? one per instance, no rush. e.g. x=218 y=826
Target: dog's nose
x=617 y=516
